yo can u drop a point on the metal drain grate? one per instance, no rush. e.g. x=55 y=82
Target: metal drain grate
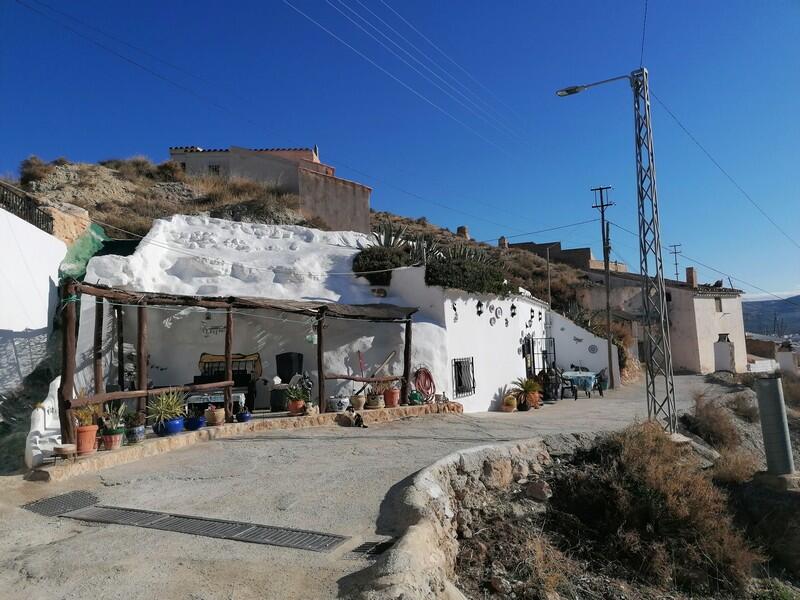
x=373 y=548
x=63 y=503
x=215 y=528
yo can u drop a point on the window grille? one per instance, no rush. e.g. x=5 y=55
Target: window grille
x=463 y=377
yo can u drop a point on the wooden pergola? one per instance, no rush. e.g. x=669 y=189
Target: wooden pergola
x=72 y=290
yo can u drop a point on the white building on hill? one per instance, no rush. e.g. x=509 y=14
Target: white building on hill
x=473 y=345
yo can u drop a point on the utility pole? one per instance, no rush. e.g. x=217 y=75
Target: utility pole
x=675 y=249
x=658 y=349
x=601 y=205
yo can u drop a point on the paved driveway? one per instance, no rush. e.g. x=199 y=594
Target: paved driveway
x=338 y=480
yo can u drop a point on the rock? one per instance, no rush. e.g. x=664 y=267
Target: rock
x=539 y=490
x=497 y=473
x=500 y=584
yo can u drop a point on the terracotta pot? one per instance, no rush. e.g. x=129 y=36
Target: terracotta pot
x=508 y=408
x=215 y=417
x=391 y=397
x=534 y=399
x=112 y=440
x=296 y=407
x=357 y=402
x=375 y=401
x=87 y=439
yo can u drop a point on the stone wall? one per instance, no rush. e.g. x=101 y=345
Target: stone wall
x=69 y=221
x=421 y=564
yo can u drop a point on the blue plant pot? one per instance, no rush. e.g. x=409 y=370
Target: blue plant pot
x=134 y=435
x=195 y=423
x=244 y=417
x=170 y=427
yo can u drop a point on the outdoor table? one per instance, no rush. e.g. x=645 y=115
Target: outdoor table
x=583 y=380
x=216 y=398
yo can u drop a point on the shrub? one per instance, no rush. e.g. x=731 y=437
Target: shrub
x=642 y=502
x=734 y=466
x=744 y=408
x=380 y=258
x=712 y=423
x=138 y=168
x=466 y=274
x=34 y=169
x=791 y=389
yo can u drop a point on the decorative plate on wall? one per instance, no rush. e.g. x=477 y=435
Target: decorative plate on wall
x=592 y=349
x=492 y=321
x=498 y=312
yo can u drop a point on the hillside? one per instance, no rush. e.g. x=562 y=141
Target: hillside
x=759 y=317
x=128 y=195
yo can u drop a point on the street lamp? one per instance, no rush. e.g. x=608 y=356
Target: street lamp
x=658 y=351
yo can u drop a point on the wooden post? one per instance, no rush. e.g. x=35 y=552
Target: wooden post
x=99 y=380
x=66 y=391
x=229 y=363
x=323 y=402
x=406 y=364
x=120 y=349
x=141 y=354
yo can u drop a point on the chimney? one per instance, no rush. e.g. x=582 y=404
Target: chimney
x=691 y=276
x=502 y=242
x=462 y=231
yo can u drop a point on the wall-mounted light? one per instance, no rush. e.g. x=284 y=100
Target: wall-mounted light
x=533 y=314
x=479 y=307
x=455 y=313
x=540 y=315
x=513 y=310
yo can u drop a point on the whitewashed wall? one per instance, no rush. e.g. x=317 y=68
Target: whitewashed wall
x=496 y=349
x=28 y=296
x=575 y=345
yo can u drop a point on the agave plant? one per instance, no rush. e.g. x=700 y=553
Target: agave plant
x=464 y=252
x=424 y=248
x=387 y=235
x=169 y=404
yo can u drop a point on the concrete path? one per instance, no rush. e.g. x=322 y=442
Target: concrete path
x=338 y=480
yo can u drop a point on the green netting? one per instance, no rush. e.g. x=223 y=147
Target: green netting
x=81 y=250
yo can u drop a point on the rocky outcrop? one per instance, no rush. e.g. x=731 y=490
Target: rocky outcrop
x=437 y=508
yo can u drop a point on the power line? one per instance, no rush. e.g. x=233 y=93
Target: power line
x=395 y=78
x=234 y=113
x=448 y=57
x=437 y=65
x=543 y=230
x=715 y=270
x=724 y=172
x=474 y=109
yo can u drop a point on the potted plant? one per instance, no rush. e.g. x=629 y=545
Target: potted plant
x=215 y=416
x=375 y=397
x=113 y=421
x=86 y=430
x=391 y=394
x=197 y=419
x=244 y=415
x=297 y=396
x=527 y=393
x=134 y=427
x=357 y=401
x=167 y=411
x=509 y=403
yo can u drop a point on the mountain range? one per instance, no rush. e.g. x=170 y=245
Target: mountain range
x=761 y=316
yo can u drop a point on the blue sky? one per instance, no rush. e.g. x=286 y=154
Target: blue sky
x=503 y=154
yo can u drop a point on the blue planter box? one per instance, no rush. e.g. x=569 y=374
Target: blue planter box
x=170 y=427
x=195 y=423
x=243 y=417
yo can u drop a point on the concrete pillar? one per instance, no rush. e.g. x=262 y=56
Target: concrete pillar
x=774 y=426
x=691 y=276
x=723 y=354
x=787 y=361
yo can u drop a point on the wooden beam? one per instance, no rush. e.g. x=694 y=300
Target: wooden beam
x=120 y=348
x=365 y=379
x=229 y=363
x=126 y=395
x=66 y=390
x=406 y=364
x=99 y=380
x=141 y=354
x=323 y=403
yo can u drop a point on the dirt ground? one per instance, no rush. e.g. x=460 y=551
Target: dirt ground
x=338 y=480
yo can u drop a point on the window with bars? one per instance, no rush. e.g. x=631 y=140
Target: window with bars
x=463 y=377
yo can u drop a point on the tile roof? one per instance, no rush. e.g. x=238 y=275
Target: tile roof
x=199 y=149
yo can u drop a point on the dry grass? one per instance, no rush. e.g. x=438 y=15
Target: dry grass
x=549 y=568
x=140 y=168
x=34 y=169
x=791 y=389
x=743 y=407
x=712 y=422
x=735 y=466
x=644 y=503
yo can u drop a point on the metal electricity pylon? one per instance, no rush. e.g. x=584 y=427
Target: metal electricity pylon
x=658 y=352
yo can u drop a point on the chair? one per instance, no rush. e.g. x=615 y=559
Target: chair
x=565 y=384
x=600 y=380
